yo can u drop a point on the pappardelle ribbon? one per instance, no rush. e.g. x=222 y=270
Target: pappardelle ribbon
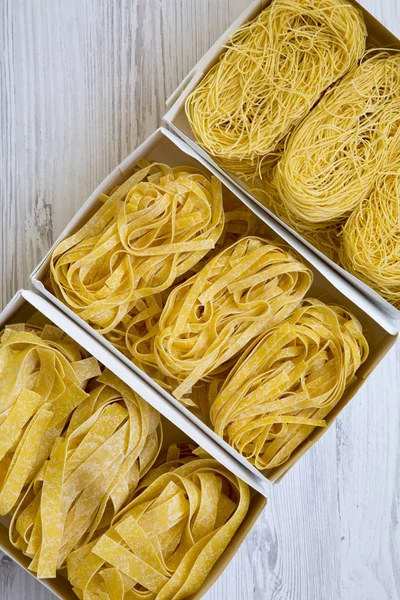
x=166 y=541
x=112 y=440
x=43 y=374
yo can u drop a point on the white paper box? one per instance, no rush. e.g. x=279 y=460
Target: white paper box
x=165 y=147
x=176 y=119
x=176 y=427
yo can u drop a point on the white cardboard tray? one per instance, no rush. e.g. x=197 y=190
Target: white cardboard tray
x=164 y=146
x=175 y=425
x=176 y=119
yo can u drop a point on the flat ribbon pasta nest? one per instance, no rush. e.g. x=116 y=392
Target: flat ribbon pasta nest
x=285 y=384
x=112 y=440
x=43 y=374
x=151 y=230
x=168 y=538
x=274 y=70
x=246 y=289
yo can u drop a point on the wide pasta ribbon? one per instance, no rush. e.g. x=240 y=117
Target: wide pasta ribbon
x=286 y=384
x=166 y=541
x=112 y=440
x=151 y=230
x=243 y=291
x=43 y=374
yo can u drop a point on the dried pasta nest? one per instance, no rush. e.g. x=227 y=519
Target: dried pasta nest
x=165 y=542
x=331 y=160
x=370 y=242
x=288 y=381
x=244 y=290
x=273 y=71
x=150 y=231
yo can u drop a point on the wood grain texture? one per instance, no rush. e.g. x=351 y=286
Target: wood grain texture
x=82 y=83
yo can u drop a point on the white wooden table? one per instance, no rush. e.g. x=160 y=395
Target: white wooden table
x=82 y=83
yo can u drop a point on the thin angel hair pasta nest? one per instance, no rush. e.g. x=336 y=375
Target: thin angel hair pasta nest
x=165 y=542
x=370 y=241
x=288 y=381
x=151 y=230
x=330 y=162
x=246 y=289
x=326 y=237
x=273 y=71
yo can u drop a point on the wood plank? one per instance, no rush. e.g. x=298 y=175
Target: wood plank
x=81 y=85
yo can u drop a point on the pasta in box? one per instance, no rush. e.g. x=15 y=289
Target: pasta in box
x=97 y=487
x=217 y=308
x=307 y=129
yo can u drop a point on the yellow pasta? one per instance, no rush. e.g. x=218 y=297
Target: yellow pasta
x=135 y=334
x=243 y=291
x=273 y=71
x=325 y=237
x=288 y=381
x=331 y=160
x=151 y=230
x=43 y=374
x=111 y=441
x=370 y=242
x=169 y=537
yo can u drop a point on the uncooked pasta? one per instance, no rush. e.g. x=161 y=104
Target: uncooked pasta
x=109 y=444
x=325 y=237
x=370 y=241
x=43 y=375
x=246 y=289
x=331 y=160
x=285 y=385
x=151 y=230
x=273 y=71
x=164 y=544
x=134 y=336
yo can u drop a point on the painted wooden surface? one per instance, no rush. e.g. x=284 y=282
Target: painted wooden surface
x=82 y=83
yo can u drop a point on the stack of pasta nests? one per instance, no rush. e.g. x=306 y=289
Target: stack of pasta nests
x=79 y=477
x=181 y=277
x=299 y=109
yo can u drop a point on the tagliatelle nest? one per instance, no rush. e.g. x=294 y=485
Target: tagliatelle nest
x=151 y=230
x=284 y=386
x=135 y=335
x=243 y=291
